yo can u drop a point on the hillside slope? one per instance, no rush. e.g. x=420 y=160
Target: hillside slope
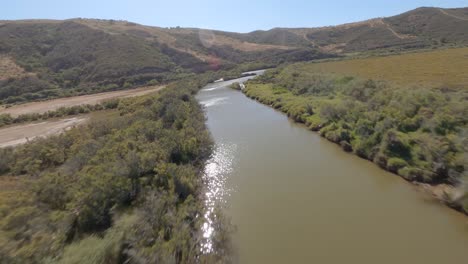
x=44 y=58
x=420 y=28
x=48 y=58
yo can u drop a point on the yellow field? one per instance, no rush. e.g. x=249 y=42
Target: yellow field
x=442 y=68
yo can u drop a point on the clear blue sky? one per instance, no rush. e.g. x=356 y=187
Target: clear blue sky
x=236 y=15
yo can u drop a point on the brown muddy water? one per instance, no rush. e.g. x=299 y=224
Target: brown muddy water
x=296 y=198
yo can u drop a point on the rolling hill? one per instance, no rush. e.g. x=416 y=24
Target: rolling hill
x=49 y=58
x=44 y=58
x=420 y=28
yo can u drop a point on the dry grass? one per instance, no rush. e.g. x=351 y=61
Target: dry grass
x=150 y=33
x=442 y=68
x=164 y=36
x=13 y=191
x=246 y=46
x=455 y=13
x=9 y=69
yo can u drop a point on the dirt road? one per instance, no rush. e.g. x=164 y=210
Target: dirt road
x=50 y=105
x=16 y=135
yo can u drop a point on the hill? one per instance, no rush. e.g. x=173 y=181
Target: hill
x=60 y=58
x=420 y=28
x=49 y=58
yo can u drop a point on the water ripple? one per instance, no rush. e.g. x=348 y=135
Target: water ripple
x=214 y=101
x=215 y=177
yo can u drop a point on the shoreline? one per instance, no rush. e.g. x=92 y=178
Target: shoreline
x=443 y=193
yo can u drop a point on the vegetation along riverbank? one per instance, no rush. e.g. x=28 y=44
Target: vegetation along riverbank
x=125 y=188
x=388 y=110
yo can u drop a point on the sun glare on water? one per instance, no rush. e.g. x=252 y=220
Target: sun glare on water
x=215 y=177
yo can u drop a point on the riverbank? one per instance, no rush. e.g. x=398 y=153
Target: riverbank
x=275 y=179
x=364 y=118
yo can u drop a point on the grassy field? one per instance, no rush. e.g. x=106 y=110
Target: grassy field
x=441 y=68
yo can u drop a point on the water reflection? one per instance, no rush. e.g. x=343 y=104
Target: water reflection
x=219 y=166
x=215 y=176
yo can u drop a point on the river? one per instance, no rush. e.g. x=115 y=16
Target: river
x=294 y=197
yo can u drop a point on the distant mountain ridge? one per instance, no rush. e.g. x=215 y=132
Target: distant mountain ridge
x=53 y=58
x=419 y=28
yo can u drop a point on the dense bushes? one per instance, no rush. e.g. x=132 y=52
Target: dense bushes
x=26 y=89
x=124 y=188
x=415 y=132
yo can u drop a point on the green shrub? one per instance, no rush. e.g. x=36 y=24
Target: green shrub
x=362 y=149
x=381 y=159
x=6 y=159
x=94 y=250
x=346 y=146
x=410 y=173
x=235 y=86
x=396 y=144
x=111 y=103
x=395 y=164
x=5 y=119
